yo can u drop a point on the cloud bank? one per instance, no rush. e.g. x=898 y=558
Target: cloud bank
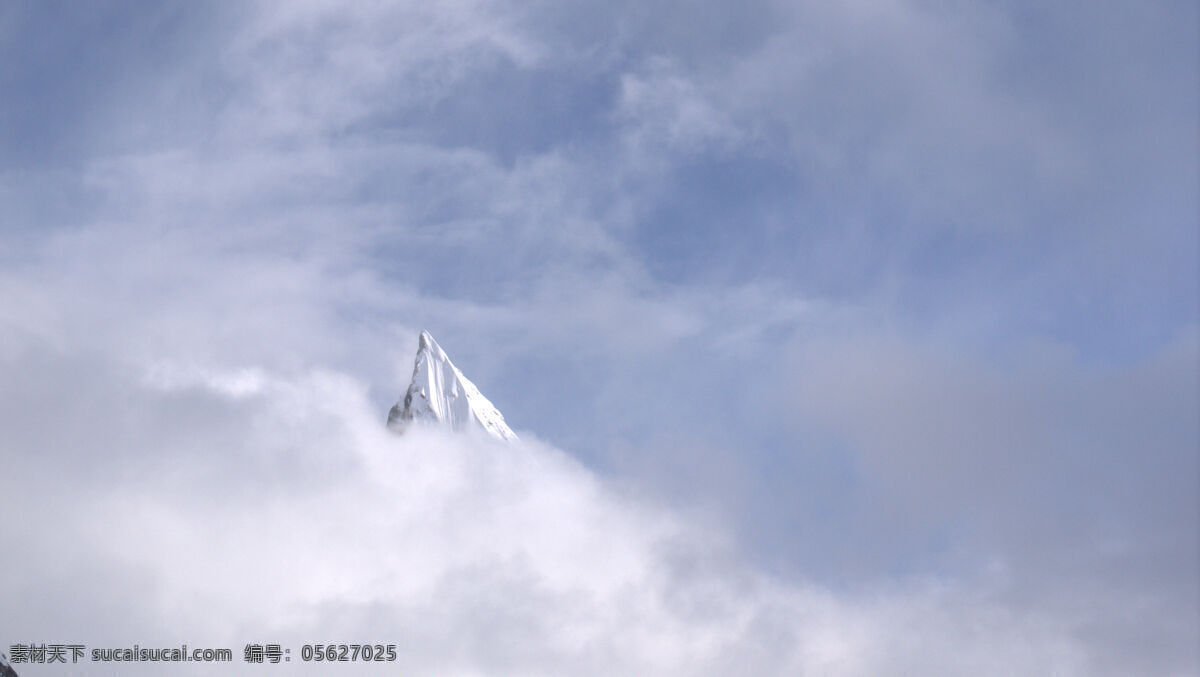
x=226 y=508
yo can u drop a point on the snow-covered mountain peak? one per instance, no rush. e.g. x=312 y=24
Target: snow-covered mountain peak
x=440 y=394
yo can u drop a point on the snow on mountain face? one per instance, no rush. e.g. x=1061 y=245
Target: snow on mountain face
x=440 y=394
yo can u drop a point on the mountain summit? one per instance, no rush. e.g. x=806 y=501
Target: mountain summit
x=441 y=395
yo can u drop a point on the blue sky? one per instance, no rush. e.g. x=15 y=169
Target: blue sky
x=887 y=293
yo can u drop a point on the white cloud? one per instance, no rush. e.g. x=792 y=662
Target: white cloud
x=312 y=523
x=666 y=109
x=317 y=68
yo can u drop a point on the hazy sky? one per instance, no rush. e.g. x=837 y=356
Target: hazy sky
x=849 y=338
